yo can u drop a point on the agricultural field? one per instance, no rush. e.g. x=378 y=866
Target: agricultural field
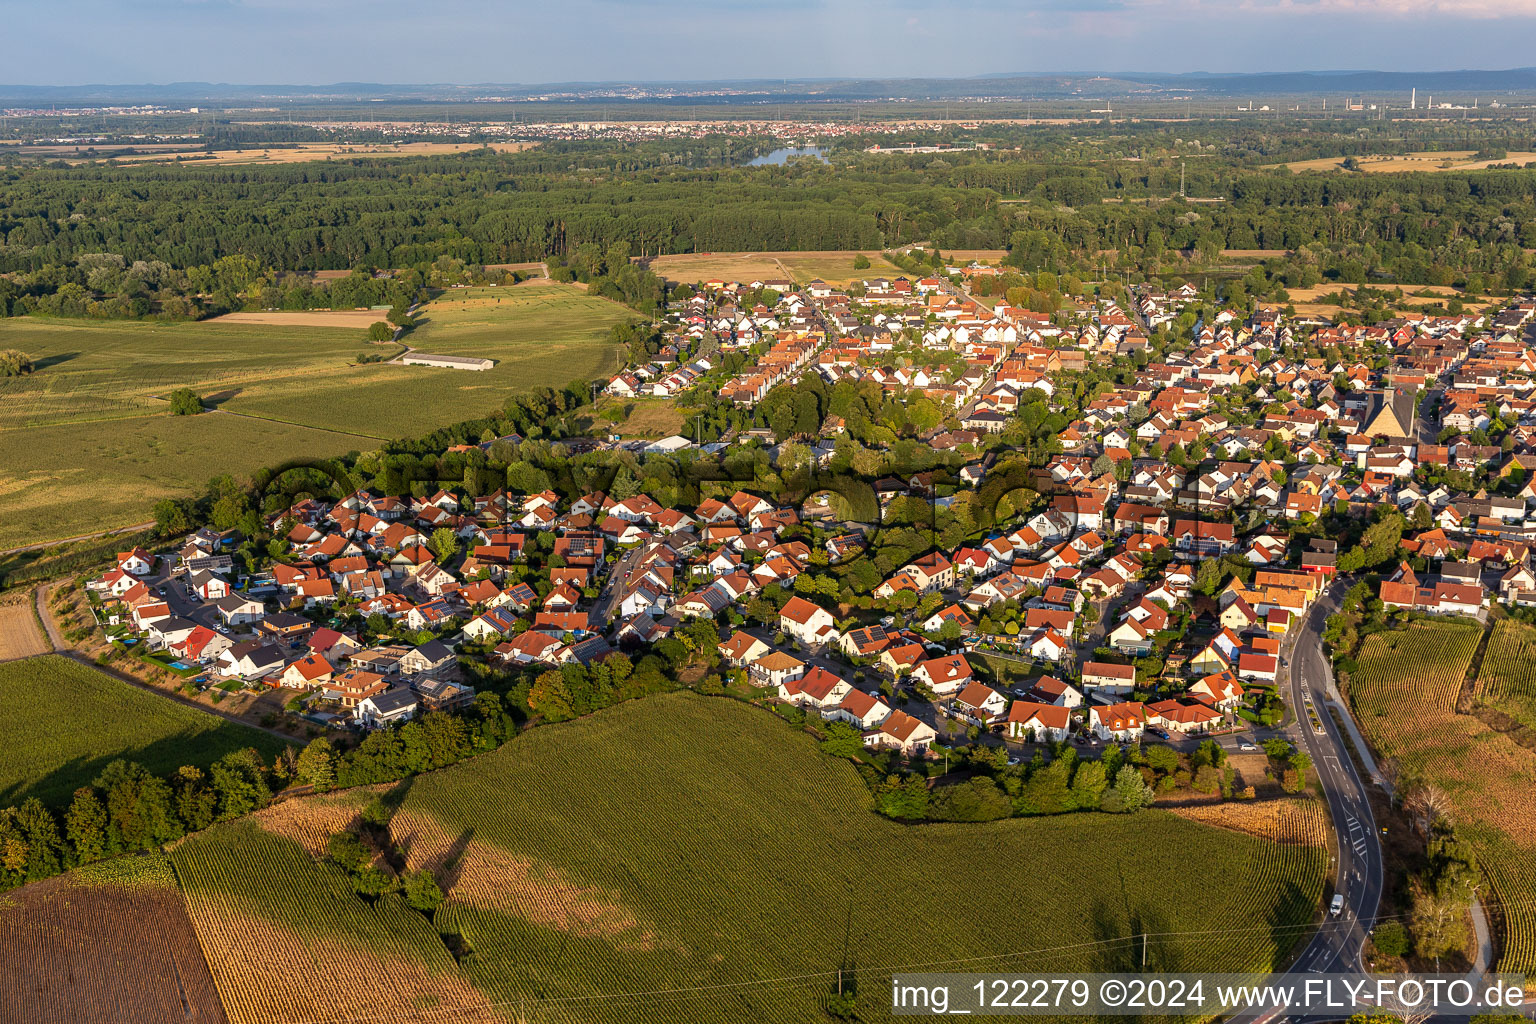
x=1404 y=696
x=356 y=319
x=546 y=335
x=833 y=267
x=1448 y=160
x=631 y=911
x=105 y=944
x=89 y=444
x=300 y=153
x=272 y=922
x=67 y=721
x=69 y=479
x=20 y=635
x=564 y=910
x=1506 y=680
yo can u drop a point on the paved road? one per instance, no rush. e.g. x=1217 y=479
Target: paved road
x=1338 y=945
x=1428 y=426
x=605 y=612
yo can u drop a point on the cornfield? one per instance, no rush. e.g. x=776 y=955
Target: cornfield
x=1404 y=696
x=287 y=940
x=682 y=843
x=65 y=721
x=1507 y=677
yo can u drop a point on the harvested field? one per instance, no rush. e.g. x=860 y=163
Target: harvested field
x=359 y=319
x=20 y=636
x=642 y=417
x=311 y=822
x=832 y=266
x=1299 y=821
x=110 y=944
x=1448 y=160
x=308 y=151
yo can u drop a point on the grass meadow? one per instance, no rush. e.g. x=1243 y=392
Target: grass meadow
x=88 y=442
x=66 y=721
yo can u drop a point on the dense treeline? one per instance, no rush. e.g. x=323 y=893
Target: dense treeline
x=136 y=239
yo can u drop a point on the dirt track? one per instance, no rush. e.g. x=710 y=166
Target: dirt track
x=361 y=319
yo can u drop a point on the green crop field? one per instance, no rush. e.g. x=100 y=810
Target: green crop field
x=87 y=444
x=1507 y=678
x=686 y=858
x=66 y=721
x=1404 y=696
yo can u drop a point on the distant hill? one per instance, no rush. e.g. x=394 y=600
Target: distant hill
x=1009 y=85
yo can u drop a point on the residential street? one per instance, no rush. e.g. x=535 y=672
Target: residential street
x=1339 y=942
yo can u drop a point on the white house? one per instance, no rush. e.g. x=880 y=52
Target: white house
x=397 y=704
x=237 y=610
x=1122 y=722
x=1101 y=676
x=810 y=624
x=945 y=675
x=901 y=732
x=817 y=689
x=1043 y=723
x=861 y=710
x=980 y=704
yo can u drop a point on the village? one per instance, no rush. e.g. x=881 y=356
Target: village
x=1153 y=589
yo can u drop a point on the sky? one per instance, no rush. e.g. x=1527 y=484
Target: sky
x=71 y=42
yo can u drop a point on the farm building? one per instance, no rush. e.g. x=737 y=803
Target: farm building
x=447 y=362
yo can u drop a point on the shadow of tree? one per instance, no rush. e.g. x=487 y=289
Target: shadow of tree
x=218 y=398
x=45 y=362
x=57 y=786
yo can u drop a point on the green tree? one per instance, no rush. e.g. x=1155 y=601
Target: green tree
x=185 y=402
x=240 y=781
x=861 y=262
x=1391 y=938
x=380 y=331
x=445 y=543
x=842 y=740
x=1088 y=784
x=976 y=799
x=86 y=826
x=317 y=765
x=550 y=697
x=172 y=517
x=14 y=363
x=422 y=891
x=1129 y=793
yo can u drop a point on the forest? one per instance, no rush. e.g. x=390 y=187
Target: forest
x=121 y=241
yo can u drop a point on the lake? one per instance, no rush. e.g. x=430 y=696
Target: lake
x=782 y=156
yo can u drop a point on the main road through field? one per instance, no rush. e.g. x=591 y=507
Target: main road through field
x=1339 y=943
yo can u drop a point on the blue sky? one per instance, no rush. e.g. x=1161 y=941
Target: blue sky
x=65 y=42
